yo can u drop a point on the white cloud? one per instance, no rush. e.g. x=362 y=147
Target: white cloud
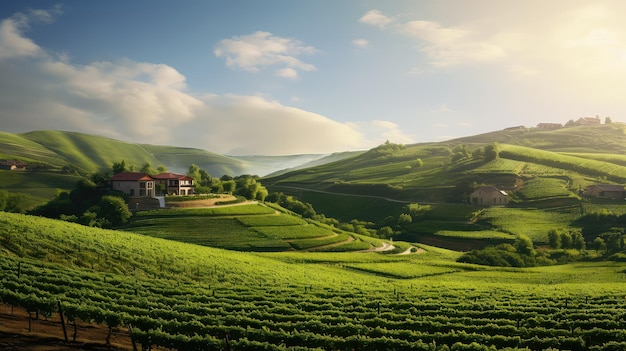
x=377 y=132
x=12 y=41
x=261 y=49
x=144 y=102
x=287 y=73
x=450 y=46
x=375 y=18
x=360 y=43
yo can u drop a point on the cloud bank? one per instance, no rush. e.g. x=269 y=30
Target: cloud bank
x=146 y=102
x=261 y=49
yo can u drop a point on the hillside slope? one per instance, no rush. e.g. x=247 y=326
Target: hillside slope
x=88 y=153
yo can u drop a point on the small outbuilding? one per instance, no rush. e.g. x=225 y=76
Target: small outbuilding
x=488 y=196
x=605 y=191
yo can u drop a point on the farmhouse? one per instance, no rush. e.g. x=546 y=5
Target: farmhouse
x=176 y=184
x=12 y=165
x=488 y=196
x=605 y=191
x=588 y=121
x=133 y=184
x=549 y=125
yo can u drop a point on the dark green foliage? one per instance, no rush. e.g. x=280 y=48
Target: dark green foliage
x=87 y=204
x=12 y=202
x=554 y=239
x=492 y=151
x=119 y=167
x=111 y=211
x=520 y=254
x=250 y=188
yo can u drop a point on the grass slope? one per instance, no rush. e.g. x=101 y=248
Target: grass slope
x=184 y=296
x=253 y=227
x=90 y=153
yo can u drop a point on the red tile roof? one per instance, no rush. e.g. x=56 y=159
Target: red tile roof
x=130 y=176
x=164 y=176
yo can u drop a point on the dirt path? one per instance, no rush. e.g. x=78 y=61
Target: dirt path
x=385 y=247
x=409 y=251
x=47 y=335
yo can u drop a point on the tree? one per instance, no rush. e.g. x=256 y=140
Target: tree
x=205 y=178
x=492 y=151
x=608 y=120
x=229 y=186
x=147 y=169
x=119 y=167
x=554 y=239
x=112 y=210
x=404 y=219
x=566 y=240
x=414 y=209
x=599 y=244
x=194 y=172
x=613 y=241
x=478 y=153
x=385 y=232
x=578 y=241
x=524 y=245
x=261 y=194
x=161 y=169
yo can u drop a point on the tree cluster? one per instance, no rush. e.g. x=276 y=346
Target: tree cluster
x=12 y=202
x=559 y=239
x=87 y=204
x=519 y=254
x=462 y=152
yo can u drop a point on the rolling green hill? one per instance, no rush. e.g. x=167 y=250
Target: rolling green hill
x=542 y=171
x=429 y=172
x=189 y=297
x=91 y=153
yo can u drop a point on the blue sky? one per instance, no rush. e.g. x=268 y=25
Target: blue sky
x=288 y=77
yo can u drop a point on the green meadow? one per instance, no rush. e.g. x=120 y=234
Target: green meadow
x=253 y=227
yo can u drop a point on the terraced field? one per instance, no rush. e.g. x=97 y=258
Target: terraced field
x=253 y=227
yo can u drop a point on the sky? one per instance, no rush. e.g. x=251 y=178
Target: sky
x=282 y=77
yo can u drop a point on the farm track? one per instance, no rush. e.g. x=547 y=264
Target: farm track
x=47 y=335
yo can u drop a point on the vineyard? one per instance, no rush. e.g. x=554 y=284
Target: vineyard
x=253 y=227
x=189 y=297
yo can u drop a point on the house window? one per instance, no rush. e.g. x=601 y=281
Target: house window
x=142 y=185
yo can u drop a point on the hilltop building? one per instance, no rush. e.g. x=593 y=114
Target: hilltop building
x=133 y=184
x=549 y=125
x=144 y=185
x=605 y=191
x=176 y=184
x=588 y=121
x=488 y=196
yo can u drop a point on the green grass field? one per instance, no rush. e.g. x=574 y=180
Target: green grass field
x=533 y=223
x=253 y=227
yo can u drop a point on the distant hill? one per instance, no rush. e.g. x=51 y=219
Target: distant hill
x=446 y=171
x=91 y=153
